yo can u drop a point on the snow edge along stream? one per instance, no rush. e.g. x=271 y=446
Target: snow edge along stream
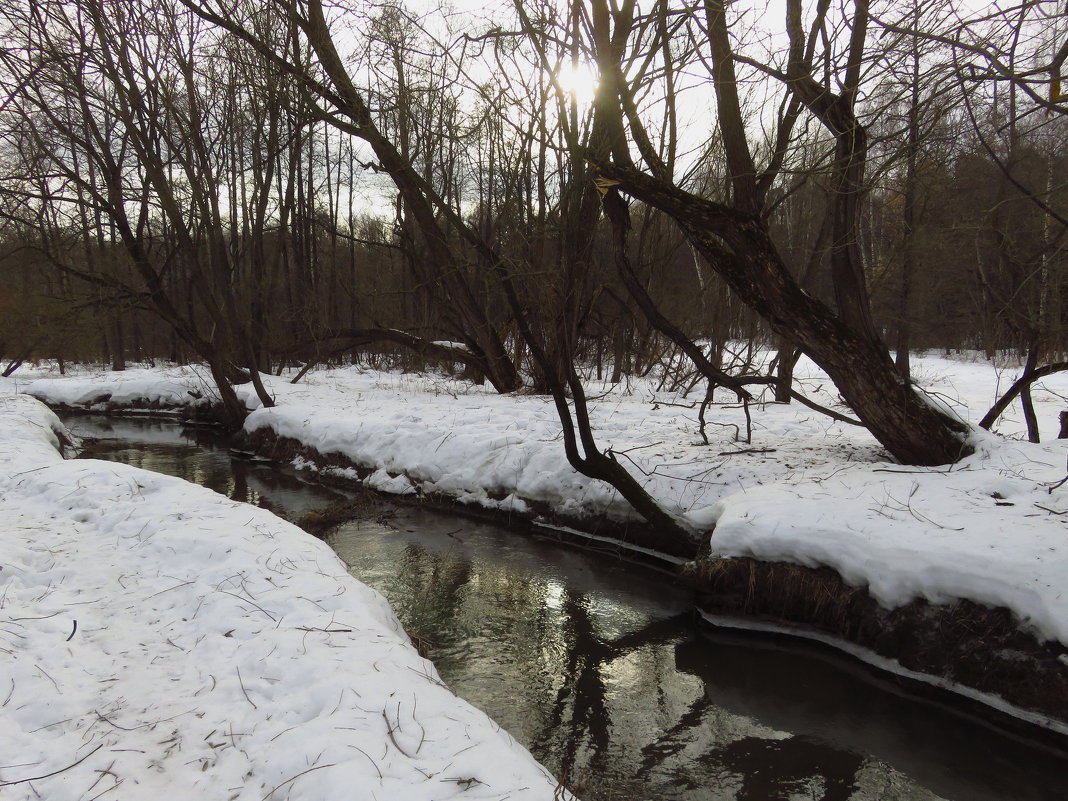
x=984 y=531
x=160 y=637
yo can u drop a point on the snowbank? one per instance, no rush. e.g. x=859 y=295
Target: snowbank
x=97 y=390
x=805 y=490
x=159 y=640
x=987 y=530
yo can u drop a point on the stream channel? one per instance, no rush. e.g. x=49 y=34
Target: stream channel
x=599 y=668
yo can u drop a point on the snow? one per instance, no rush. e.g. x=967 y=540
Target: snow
x=159 y=640
x=95 y=389
x=444 y=343
x=807 y=489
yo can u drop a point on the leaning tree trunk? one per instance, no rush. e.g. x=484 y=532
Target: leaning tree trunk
x=739 y=248
x=232 y=409
x=913 y=430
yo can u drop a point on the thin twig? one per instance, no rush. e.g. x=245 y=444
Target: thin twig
x=53 y=773
x=389 y=731
x=249 y=601
x=239 y=681
x=294 y=778
x=369 y=760
x=1051 y=511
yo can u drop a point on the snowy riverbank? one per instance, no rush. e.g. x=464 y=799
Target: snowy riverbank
x=159 y=640
x=806 y=490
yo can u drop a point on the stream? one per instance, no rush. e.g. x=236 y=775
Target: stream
x=599 y=668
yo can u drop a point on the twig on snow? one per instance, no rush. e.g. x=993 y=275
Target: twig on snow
x=110 y=722
x=42 y=671
x=118 y=781
x=105 y=772
x=1052 y=511
x=465 y=784
x=248 y=601
x=378 y=769
x=294 y=778
x=175 y=587
x=239 y=681
x=53 y=773
x=389 y=731
x=41 y=617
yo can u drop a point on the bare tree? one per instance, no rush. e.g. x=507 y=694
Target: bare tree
x=734 y=236
x=125 y=131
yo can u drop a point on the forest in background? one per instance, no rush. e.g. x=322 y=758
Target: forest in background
x=267 y=185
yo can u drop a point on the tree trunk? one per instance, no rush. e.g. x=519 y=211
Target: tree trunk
x=1026 y=379
x=739 y=248
x=233 y=411
x=117 y=346
x=784 y=375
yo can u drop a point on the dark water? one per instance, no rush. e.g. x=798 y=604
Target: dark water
x=598 y=668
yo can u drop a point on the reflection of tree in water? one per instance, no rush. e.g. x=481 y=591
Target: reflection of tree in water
x=541 y=646
x=673 y=740
x=583 y=692
x=775 y=769
x=581 y=712
x=552 y=646
x=428 y=593
x=768 y=769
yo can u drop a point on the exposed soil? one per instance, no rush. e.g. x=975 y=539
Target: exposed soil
x=976 y=646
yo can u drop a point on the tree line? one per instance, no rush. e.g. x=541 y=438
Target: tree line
x=261 y=185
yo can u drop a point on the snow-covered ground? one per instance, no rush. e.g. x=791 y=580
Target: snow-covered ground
x=806 y=489
x=160 y=641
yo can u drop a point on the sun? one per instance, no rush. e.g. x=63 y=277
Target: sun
x=577 y=80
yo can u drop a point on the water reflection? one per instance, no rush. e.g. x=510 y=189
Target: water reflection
x=201 y=456
x=600 y=671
